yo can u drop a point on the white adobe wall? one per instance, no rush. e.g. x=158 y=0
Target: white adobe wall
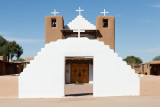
x=44 y=77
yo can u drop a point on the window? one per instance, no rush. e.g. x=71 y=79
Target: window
x=53 y=22
x=105 y=23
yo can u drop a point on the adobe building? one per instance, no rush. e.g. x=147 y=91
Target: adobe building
x=28 y=59
x=149 y=68
x=153 y=68
x=1 y=57
x=10 y=68
x=103 y=31
x=78 y=52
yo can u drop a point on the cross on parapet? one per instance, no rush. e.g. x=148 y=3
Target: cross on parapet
x=104 y=12
x=78 y=30
x=79 y=11
x=54 y=13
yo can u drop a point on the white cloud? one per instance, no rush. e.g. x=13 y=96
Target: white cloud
x=155 y=5
x=145 y=21
x=4 y=33
x=24 y=40
x=7 y=36
x=151 y=50
x=117 y=15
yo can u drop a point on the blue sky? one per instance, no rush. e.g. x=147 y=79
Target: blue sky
x=137 y=23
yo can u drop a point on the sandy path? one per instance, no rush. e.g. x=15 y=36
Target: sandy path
x=143 y=101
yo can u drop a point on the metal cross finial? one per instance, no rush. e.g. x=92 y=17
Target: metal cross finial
x=54 y=13
x=104 y=12
x=79 y=11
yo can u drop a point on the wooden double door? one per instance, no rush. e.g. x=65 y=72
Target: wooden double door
x=79 y=73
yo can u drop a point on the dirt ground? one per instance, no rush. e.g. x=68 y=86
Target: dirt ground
x=132 y=101
x=78 y=90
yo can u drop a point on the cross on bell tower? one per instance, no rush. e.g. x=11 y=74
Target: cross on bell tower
x=104 y=12
x=54 y=13
x=79 y=11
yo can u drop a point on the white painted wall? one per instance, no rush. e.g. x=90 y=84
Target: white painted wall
x=90 y=74
x=44 y=77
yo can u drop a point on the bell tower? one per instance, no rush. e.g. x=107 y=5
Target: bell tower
x=106 y=26
x=53 y=26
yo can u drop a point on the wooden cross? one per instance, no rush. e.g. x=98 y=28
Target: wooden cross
x=104 y=12
x=79 y=11
x=54 y=13
x=79 y=31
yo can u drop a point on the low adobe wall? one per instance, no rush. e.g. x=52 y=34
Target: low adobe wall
x=9 y=86
x=150 y=85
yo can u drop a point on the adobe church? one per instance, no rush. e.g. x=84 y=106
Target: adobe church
x=78 y=52
x=79 y=69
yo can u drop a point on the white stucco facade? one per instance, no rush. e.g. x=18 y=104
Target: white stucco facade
x=44 y=77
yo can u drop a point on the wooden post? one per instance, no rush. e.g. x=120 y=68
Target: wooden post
x=149 y=70
x=133 y=65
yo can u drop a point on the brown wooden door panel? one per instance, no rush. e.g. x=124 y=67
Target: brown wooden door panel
x=84 y=73
x=74 y=73
x=79 y=73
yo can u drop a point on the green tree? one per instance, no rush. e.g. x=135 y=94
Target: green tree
x=157 y=58
x=8 y=48
x=132 y=60
x=3 y=41
x=20 y=59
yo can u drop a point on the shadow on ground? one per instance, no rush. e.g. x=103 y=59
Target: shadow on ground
x=80 y=94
